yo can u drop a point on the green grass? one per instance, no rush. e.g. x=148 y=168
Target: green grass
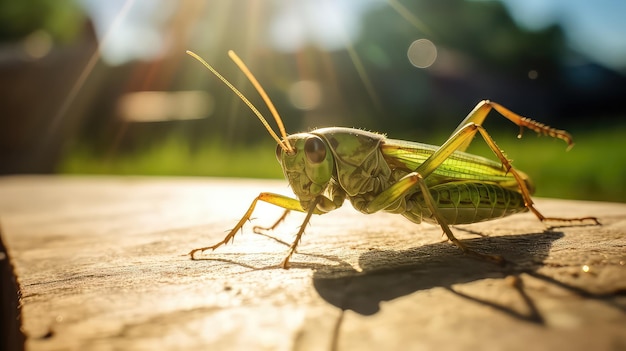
x=595 y=169
x=175 y=157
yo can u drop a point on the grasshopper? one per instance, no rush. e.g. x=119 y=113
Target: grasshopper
x=442 y=185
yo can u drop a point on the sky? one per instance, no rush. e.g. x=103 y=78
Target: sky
x=595 y=28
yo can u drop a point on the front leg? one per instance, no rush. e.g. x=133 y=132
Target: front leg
x=285 y=202
x=275 y=199
x=259 y=230
x=336 y=197
x=292 y=248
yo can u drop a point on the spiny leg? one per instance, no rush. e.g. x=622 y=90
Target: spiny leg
x=430 y=202
x=482 y=109
x=523 y=188
x=274 y=199
x=231 y=235
x=459 y=141
x=464 y=134
x=292 y=248
x=407 y=184
x=258 y=229
x=263 y=230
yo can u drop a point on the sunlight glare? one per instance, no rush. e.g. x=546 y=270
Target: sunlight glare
x=422 y=53
x=305 y=95
x=38 y=44
x=330 y=25
x=155 y=106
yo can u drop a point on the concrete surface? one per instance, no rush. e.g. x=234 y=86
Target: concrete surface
x=101 y=264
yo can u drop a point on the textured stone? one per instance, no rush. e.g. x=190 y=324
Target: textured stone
x=101 y=264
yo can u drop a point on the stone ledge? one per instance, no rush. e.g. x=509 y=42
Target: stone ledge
x=101 y=264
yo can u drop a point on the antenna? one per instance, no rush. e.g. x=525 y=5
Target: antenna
x=283 y=144
x=242 y=66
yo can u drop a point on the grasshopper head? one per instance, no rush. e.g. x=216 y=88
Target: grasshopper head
x=306 y=159
x=308 y=168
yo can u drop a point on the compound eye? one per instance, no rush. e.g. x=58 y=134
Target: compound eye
x=279 y=153
x=315 y=149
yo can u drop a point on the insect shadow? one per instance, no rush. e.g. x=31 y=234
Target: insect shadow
x=389 y=274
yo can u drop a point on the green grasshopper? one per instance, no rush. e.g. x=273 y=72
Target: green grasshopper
x=436 y=184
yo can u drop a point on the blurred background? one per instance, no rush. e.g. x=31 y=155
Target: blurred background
x=105 y=87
